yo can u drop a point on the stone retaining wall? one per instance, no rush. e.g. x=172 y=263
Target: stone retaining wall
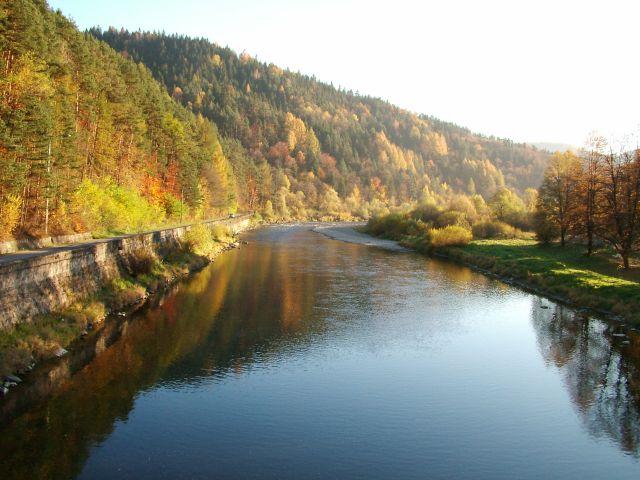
x=16 y=245
x=47 y=282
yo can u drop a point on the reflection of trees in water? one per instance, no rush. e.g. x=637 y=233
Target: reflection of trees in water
x=242 y=306
x=601 y=371
x=53 y=439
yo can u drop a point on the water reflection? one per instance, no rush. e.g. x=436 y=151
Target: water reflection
x=75 y=403
x=600 y=365
x=53 y=439
x=288 y=298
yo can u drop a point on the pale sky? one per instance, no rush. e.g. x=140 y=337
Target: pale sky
x=548 y=71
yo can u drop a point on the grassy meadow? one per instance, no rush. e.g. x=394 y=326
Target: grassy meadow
x=596 y=282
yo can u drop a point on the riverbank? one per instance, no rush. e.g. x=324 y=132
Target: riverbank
x=385 y=364
x=564 y=274
x=348 y=233
x=561 y=273
x=115 y=283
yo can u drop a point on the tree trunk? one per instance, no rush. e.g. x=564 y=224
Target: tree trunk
x=625 y=260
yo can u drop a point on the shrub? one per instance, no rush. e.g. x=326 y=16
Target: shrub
x=106 y=208
x=221 y=233
x=174 y=208
x=421 y=244
x=450 y=236
x=417 y=228
x=9 y=215
x=452 y=217
x=427 y=212
x=268 y=212
x=546 y=230
x=521 y=220
x=198 y=240
x=140 y=261
x=125 y=293
x=393 y=225
x=494 y=229
x=462 y=203
x=14 y=359
x=83 y=314
x=61 y=222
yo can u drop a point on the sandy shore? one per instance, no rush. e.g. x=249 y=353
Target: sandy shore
x=347 y=233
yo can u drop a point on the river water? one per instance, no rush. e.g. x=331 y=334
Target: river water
x=297 y=356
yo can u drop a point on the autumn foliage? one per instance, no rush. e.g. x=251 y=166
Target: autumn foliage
x=112 y=131
x=594 y=197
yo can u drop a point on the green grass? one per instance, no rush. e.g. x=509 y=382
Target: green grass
x=597 y=281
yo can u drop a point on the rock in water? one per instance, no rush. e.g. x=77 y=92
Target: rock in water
x=13 y=378
x=61 y=352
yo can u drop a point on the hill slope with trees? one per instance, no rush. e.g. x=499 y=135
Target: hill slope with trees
x=361 y=147
x=111 y=131
x=89 y=140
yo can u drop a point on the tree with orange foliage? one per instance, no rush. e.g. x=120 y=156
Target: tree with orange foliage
x=619 y=224
x=558 y=194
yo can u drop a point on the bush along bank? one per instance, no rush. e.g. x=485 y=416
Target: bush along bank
x=145 y=272
x=594 y=283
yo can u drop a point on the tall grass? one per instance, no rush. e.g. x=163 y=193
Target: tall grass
x=452 y=235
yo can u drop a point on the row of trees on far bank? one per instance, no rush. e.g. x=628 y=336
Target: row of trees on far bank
x=454 y=219
x=592 y=198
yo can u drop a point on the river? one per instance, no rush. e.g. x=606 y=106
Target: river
x=299 y=356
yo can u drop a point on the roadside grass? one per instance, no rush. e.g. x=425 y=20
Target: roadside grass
x=596 y=281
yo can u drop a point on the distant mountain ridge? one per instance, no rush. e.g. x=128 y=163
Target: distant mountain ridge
x=552 y=147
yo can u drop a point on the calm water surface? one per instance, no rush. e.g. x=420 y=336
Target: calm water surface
x=298 y=356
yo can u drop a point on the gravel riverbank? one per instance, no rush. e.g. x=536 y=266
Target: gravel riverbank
x=348 y=233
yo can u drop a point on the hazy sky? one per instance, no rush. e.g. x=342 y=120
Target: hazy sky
x=528 y=70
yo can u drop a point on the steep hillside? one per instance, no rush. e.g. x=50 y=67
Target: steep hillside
x=90 y=141
x=301 y=125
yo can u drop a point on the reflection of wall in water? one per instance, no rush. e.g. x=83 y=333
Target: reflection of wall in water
x=74 y=404
x=85 y=394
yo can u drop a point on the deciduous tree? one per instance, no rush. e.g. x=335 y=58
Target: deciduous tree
x=558 y=194
x=620 y=190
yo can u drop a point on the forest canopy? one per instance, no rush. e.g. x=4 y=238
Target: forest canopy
x=113 y=131
x=302 y=126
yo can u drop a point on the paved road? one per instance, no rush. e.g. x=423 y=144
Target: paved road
x=26 y=254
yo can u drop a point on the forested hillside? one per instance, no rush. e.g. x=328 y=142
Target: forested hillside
x=91 y=141
x=312 y=131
